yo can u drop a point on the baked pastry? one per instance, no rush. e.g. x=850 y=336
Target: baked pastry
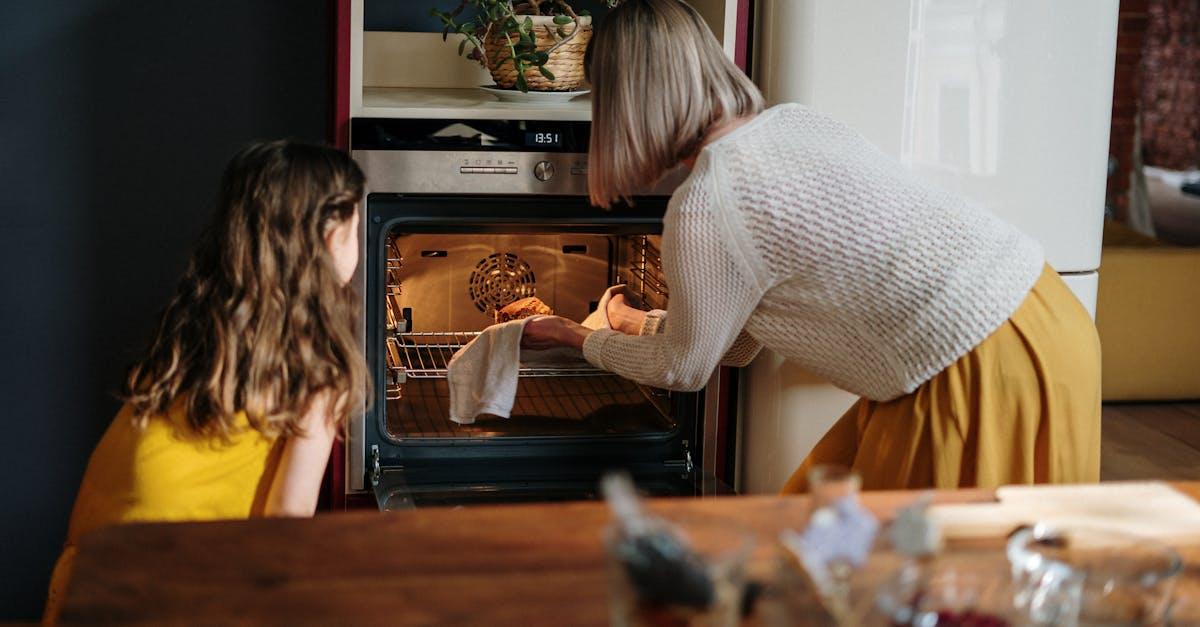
x=532 y=306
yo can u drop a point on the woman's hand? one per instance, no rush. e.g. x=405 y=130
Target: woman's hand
x=544 y=332
x=623 y=318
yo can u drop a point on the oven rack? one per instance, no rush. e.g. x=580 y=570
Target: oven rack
x=643 y=273
x=650 y=281
x=425 y=355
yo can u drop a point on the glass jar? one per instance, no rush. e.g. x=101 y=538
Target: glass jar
x=1113 y=578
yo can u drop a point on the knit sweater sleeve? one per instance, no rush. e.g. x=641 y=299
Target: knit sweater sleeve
x=714 y=290
x=745 y=348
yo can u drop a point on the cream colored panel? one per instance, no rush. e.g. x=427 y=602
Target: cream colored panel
x=356 y=59
x=785 y=411
x=1005 y=102
x=721 y=16
x=1085 y=287
x=394 y=59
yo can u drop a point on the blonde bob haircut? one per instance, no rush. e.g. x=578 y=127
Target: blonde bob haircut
x=660 y=82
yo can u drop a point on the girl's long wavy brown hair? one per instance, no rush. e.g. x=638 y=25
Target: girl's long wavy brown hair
x=261 y=322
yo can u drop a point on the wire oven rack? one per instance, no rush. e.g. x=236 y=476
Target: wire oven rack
x=394 y=268
x=426 y=356
x=554 y=398
x=645 y=278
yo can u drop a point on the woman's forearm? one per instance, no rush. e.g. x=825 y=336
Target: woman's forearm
x=574 y=335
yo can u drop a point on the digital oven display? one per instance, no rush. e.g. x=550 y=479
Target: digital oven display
x=543 y=139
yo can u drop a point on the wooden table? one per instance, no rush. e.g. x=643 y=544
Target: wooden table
x=494 y=565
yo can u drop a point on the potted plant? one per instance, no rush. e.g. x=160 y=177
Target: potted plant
x=526 y=44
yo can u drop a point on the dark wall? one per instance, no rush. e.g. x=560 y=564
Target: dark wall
x=116 y=117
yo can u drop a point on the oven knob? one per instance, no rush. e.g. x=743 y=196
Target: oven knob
x=544 y=171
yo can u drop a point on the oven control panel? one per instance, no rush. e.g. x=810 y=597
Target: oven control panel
x=446 y=156
x=453 y=172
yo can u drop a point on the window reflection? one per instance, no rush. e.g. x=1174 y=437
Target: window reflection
x=951 y=109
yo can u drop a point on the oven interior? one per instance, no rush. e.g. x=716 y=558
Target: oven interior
x=437 y=267
x=442 y=289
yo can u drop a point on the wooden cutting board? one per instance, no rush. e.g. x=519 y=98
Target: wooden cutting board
x=1149 y=509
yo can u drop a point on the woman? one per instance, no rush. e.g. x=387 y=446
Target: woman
x=975 y=363
x=233 y=410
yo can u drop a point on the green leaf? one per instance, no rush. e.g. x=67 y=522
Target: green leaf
x=521 y=83
x=540 y=58
x=462 y=45
x=527 y=26
x=562 y=20
x=545 y=72
x=584 y=12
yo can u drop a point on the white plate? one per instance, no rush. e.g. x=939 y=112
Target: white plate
x=533 y=97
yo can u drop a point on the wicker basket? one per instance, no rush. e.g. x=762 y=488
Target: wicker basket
x=566 y=63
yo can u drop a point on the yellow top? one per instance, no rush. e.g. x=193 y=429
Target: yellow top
x=164 y=472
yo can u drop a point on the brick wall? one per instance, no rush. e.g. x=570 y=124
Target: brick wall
x=1127 y=91
x=1158 y=76
x=1171 y=84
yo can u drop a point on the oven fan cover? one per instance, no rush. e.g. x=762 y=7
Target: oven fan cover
x=500 y=279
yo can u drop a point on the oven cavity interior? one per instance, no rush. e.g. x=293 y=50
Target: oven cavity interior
x=443 y=289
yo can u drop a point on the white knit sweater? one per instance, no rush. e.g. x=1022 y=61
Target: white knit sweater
x=795 y=233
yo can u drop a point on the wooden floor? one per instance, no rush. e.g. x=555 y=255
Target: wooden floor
x=1150 y=441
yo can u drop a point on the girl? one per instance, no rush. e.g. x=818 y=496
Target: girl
x=974 y=362
x=233 y=411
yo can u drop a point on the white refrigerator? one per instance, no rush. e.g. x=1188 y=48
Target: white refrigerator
x=1007 y=102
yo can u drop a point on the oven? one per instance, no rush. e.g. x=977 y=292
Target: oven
x=463 y=217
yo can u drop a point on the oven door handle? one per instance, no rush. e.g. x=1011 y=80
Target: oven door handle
x=392 y=491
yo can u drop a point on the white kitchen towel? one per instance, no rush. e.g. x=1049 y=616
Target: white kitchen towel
x=599 y=319
x=483 y=375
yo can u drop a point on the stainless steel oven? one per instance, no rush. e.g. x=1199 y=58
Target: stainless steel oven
x=463 y=217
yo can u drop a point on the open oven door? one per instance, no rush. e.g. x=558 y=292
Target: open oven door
x=399 y=489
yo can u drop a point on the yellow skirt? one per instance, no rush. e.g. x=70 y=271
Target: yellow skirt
x=1021 y=407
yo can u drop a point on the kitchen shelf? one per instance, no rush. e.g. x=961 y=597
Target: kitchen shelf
x=462 y=103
